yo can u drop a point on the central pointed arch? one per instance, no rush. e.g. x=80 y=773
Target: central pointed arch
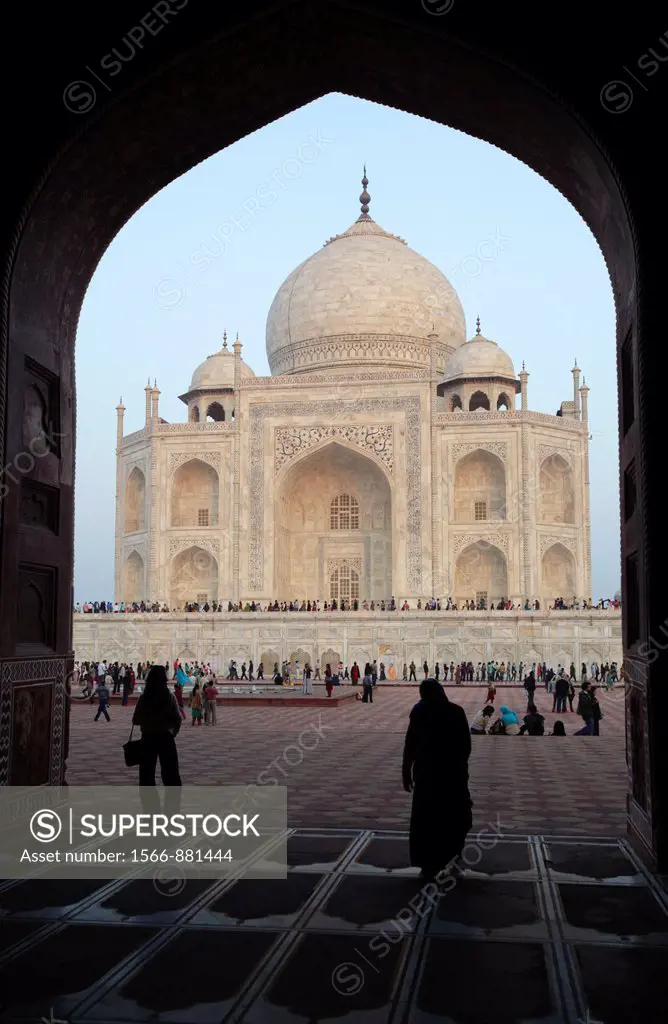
x=333 y=520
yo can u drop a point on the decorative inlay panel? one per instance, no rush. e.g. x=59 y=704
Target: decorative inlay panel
x=498 y=448
x=178 y=544
x=177 y=459
x=462 y=540
x=290 y=442
x=547 y=542
x=338 y=563
x=14 y=676
x=545 y=451
x=337 y=410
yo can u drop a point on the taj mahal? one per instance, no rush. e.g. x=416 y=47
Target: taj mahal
x=388 y=456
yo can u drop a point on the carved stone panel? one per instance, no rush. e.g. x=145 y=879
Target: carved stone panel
x=178 y=544
x=31 y=735
x=545 y=451
x=36 y=625
x=462 y=540
x=291 y=442
x=40 y=505
x=177 y=459
x=498 y=448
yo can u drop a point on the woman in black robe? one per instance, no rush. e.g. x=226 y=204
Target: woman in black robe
x=435 y=769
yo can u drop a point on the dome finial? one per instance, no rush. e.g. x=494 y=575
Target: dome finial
x=365 y=198
x=225 y=338
x=477 y=326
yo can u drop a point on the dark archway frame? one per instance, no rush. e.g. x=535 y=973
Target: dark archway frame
x=204 y=88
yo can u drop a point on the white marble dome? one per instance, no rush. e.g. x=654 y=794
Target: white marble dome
x=479 y=357
x=217 y=371
x=364 y=299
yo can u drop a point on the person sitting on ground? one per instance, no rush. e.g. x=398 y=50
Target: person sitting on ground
x=534 y=724
x=558 y=729
x=482 y=721
x=507 y=724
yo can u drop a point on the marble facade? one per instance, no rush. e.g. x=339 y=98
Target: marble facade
x=384 y=457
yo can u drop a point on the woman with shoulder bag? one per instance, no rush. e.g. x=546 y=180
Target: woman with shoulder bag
x=157 y=715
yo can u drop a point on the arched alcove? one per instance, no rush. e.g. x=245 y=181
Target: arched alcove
x=503 y=403
x=558 y=572
x=480 y=488
x=193 y=414
x=478 y=400
x=135 y=502
x=157 y=130
x=195 y=489
x=215 y=413
x=193 y=577
x=481 y=573
x=455 y=403
x=557 y=491
x=133 y=578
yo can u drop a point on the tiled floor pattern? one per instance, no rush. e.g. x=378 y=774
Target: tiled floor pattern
x=537 y=929
x=342 y=764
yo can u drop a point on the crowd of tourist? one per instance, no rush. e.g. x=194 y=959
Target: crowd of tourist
x=391 y=605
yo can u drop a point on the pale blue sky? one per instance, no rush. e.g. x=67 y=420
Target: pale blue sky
x=154 y=308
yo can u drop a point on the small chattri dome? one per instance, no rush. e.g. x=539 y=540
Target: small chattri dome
x=479 y=357
x=217 y=371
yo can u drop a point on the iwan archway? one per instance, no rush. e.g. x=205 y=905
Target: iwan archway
x=334 y=528
x=69 y=199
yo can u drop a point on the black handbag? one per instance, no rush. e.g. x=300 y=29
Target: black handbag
x=132 y=751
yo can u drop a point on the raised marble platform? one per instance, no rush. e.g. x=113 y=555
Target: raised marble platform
x=393 y=638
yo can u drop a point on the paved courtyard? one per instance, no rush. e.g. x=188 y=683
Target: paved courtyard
x=342 y=765
x=558 y=921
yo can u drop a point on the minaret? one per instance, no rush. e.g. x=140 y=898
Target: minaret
x=155 y=396
x=365 y=198
x=148 y=390
x=236 y=508
x=524 y=377
x=576 y=389
x=120 y=410
x=584 y=392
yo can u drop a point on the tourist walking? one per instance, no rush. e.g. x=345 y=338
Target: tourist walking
x=585 y=710
x=178 y=694
x=561 y=690
x=329 y=681
x=412 y=677
x=530 y=687
x=307 y=685
x=598 y=714
x=158 y=717
x=435 y=769
x=367 y=686
x=425 y=669
x=127 y=686
x=195 y=703
x=103 y=698
x=210 y=695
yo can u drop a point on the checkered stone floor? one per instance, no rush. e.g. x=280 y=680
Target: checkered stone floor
x=342 y=765
x=535 y=929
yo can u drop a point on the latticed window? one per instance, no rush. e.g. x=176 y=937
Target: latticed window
x=344 y=584
x=202 y=598
x=203 y=517
x=344 y=513
x=479 y=510
x=481 y=595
